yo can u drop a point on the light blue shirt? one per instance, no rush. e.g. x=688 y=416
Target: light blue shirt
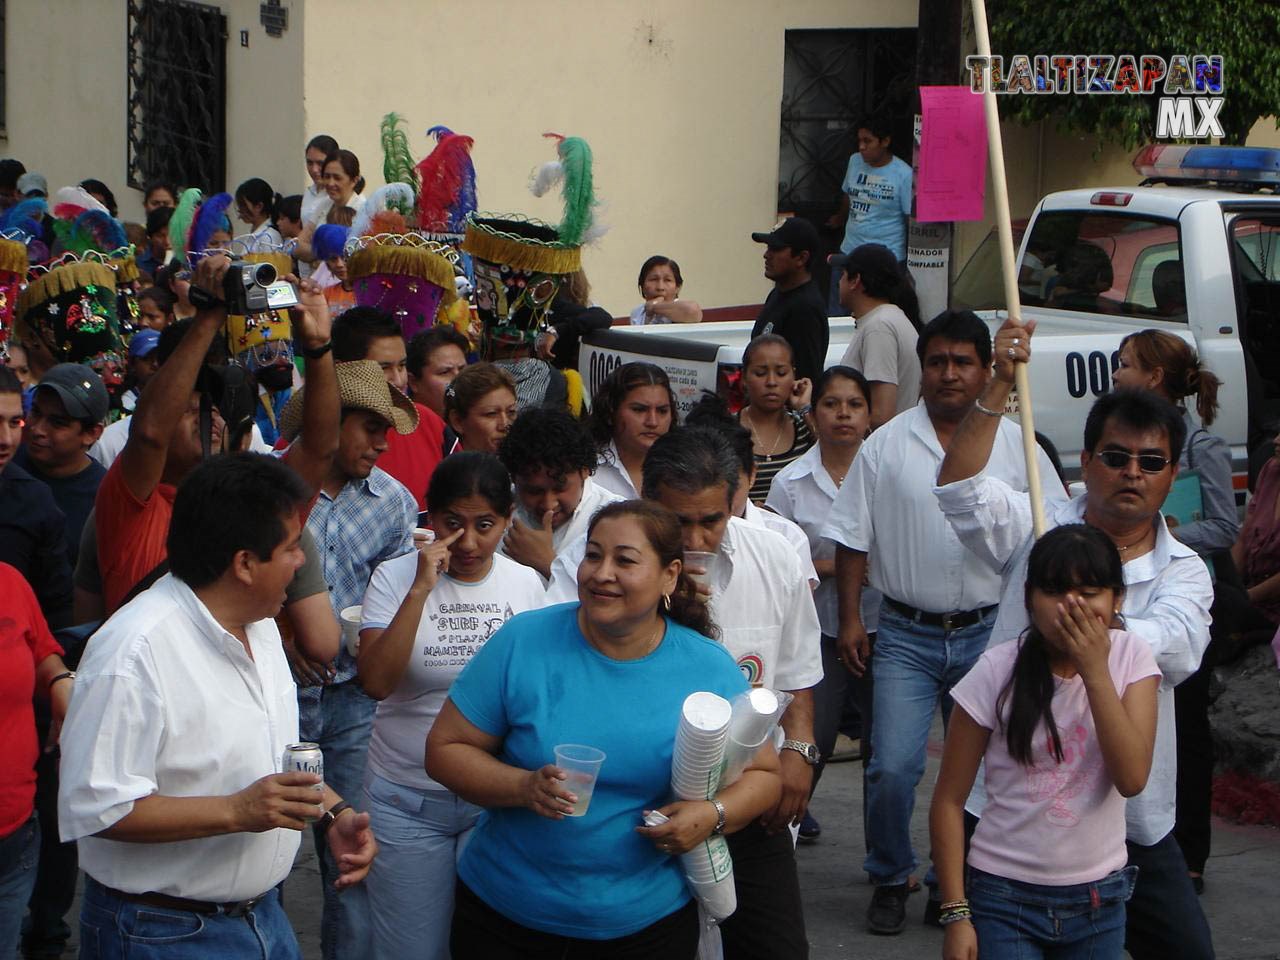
x=879 y=202
x=537 y=683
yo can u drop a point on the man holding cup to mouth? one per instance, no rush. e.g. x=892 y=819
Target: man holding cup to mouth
x=760 y=599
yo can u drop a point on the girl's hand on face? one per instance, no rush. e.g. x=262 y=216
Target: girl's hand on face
x=801 y=393
x=1085 y=637
x=433 y=560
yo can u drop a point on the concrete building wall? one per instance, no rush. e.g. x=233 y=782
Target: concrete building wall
x=679 y=100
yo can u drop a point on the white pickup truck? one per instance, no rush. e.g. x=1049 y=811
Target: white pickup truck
x=1194 y=250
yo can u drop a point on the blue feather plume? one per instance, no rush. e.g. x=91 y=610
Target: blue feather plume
x=210 y=218
x=96 y=230
x=329 y=240
x=22 y=221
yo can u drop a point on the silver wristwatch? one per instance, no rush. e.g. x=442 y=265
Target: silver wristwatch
x=721 y=817
x=807 y=750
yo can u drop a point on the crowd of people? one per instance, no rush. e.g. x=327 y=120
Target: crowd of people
x=386 y=521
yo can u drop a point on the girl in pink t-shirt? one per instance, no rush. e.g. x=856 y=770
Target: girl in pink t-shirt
x=1065 y=720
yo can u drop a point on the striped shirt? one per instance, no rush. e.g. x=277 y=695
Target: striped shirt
x=767 y=466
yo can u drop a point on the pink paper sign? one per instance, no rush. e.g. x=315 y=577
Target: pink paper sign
x=953 y=155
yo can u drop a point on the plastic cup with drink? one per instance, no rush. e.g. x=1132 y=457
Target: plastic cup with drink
x=581 y=765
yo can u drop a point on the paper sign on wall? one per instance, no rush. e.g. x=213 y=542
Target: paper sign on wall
x=953 y=155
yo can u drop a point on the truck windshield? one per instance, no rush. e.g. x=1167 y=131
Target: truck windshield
x=1086 y=261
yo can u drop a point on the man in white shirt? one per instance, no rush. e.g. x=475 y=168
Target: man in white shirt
x=172 y=750
x=938 y=604
x=550 y=456
x=1132 y=440
x=762 y=603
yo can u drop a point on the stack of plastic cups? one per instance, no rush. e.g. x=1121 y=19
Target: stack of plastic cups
x=755 y=715
x=695 y=775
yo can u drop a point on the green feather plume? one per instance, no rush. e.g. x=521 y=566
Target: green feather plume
x=180 y=223
x=578 y=191
x=398 y=165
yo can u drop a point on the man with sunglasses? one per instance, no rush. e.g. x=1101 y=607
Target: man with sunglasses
x=1132 y=440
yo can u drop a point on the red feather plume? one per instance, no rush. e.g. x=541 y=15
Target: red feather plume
x=441 y=177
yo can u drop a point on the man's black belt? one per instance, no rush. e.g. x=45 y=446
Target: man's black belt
x=956 y=620
x=237 y=909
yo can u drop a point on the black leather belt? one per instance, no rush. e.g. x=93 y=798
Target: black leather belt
x=956 y=620
x=238 y=909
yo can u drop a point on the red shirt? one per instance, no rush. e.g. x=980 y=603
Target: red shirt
x=25 y=640
x=132 y=534
x=412 y=457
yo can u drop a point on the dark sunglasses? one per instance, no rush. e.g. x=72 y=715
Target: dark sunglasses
x=1147 y=462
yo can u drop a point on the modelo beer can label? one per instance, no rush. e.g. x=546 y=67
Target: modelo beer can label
x=307 y=758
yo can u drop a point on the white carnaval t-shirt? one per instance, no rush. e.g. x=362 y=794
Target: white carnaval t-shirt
x=457 y=619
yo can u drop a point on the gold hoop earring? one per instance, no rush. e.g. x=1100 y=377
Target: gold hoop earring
x=666 y=601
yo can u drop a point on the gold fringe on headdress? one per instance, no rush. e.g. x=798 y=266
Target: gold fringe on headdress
x=407 y=260
x=64 y=279
x=126 y=269
x=487 y=242
x=13 y=256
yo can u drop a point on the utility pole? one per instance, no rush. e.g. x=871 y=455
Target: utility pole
x=938 y=62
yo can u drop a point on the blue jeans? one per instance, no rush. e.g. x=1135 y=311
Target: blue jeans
x=1165 y=920
x=340 y=722
x=19 y=853
x=1027 y=921
x=421 y=834
x=915 y=666
x=115 y=929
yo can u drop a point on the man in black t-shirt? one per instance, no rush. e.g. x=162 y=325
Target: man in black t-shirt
x=796 y=310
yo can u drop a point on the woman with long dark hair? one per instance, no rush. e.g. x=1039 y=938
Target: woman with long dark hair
x=256 y=207
x=1065 y=720
x=610 y=671
x=633 y=407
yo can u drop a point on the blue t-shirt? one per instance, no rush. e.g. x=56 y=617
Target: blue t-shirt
x=879 y=199
x=537 y=683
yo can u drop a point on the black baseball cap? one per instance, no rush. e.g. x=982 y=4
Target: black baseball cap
x=82 y=391
x=794 y=232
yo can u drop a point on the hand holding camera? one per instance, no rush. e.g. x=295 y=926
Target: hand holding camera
x=247 y=288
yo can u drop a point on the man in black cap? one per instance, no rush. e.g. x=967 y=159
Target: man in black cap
x=67 y=410
x=796 y=310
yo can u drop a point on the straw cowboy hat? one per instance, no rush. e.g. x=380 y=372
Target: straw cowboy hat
x=361 y=386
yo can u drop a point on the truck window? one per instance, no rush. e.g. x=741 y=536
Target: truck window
x=1104 y=263
x=1255 y=244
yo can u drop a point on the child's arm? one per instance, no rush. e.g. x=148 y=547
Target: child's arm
x=966 y=743
x=1126 y=726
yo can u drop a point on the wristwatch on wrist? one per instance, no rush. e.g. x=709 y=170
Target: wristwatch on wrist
x=721 y=816
x=330 y=815
x=807 y=750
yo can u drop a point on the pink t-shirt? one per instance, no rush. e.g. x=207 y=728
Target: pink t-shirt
x=1053 y=823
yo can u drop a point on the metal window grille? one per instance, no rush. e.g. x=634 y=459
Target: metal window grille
x=830 y=79
x=4 y=85
x=177 y=93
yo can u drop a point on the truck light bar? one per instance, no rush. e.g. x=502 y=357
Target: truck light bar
x=1243 y=164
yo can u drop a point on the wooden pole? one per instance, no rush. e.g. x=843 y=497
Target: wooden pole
x=1008 y=264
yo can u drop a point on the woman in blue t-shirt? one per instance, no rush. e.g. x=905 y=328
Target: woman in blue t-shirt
x=610 y=671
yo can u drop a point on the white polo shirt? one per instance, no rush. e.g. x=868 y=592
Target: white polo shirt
x=613 y=476
x=767 y=519
x=886 y=508
x=803 y=491
x=1166 y=602
x=167 y=702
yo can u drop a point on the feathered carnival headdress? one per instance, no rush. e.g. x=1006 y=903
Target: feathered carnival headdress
x=70 y=306
x=180 y=222
x=447 y=184
x=520 y=263
x=392 y=268
x=210 y=217
x=19 y=230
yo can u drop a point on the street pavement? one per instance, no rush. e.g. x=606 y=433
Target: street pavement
x=1240 y=883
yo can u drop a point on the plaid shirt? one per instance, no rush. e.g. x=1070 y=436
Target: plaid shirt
x=370 y=520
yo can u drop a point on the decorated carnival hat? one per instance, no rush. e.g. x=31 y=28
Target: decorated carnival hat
x=392 y=268
x=19 y=227
x=520 y=263
x=70 y=305
x=263 y=342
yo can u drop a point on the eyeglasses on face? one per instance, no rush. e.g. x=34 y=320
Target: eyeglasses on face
x=1147 y=462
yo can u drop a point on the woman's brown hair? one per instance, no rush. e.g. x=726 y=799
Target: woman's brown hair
x=662 y=529
x=1185 y=375
x=472 y=384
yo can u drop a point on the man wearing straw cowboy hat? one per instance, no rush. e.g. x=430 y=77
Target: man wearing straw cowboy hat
x=362 y=517
x=938 y=604
x=1131 y=444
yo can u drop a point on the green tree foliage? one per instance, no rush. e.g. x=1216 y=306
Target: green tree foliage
x=1246 y=33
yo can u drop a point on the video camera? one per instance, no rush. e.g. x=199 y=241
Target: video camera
x=248 y=288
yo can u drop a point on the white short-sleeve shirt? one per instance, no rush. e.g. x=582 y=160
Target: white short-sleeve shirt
x=457 y=619
x=168 y=702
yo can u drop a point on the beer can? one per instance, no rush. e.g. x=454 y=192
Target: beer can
x=305 y=757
